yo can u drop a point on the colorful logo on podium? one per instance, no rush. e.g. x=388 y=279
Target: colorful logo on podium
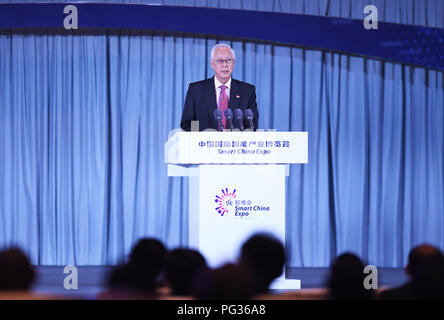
x=224 y=201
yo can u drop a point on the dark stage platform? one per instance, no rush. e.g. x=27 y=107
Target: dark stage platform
x=91 y=279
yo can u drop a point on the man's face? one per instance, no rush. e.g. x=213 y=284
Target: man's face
x=222 y=64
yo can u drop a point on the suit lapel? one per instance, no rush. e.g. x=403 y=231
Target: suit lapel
x=234 y=95
x=210 y=100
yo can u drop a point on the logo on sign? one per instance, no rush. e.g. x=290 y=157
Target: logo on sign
x=225 y=201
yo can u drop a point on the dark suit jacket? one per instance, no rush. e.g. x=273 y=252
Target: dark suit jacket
x=410 y=291
x=200 y=103
x=403 y=292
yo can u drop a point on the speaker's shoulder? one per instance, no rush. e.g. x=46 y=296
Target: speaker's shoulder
x=201 y=83
x=243 y=84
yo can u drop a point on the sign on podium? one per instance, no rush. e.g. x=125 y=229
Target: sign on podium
x=237 y=187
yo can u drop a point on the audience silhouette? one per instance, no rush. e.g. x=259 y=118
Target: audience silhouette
x=16 y=271
x=264 y=258
x=346 y=279
x=425 y=268
x=261 y=261
x=228 y=282
x=182 y=267
x=139 y=276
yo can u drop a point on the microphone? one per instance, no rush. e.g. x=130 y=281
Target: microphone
x=249 y=117
x=218 y=116
x=240 y=118
x=229 y=116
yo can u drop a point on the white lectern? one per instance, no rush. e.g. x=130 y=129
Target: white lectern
x=236 y=187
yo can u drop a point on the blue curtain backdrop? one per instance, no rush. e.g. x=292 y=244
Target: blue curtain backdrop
x=83 y=120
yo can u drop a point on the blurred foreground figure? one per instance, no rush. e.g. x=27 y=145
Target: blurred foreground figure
x=346 y=280
x=426 y=271
x=182 y=267
x=228 y=282
x=263 y=256
x=16 y=272
x=137 y=279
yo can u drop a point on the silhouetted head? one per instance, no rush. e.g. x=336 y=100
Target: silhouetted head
x=346 y=280
x=146 y=261
x=264 y=256
x=150 y=253
x=426 y=270
x=422 y=259
x=16 y=271
x=181 y=268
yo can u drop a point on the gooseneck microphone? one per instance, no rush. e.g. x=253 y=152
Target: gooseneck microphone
x=238 y=114
x=229 y=116
x=249 y=116
x=218 y=116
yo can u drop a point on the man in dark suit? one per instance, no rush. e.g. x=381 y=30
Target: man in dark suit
x=221 y=91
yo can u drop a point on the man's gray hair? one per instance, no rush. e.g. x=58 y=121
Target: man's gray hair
x=221 y=45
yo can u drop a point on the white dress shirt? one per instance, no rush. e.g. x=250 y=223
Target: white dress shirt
x=217 y=84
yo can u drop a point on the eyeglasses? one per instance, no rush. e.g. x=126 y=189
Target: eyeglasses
x=221 y=61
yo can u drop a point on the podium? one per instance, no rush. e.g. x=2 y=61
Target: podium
x=236 y=187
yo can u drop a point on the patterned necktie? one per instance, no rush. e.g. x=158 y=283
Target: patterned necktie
x=223 y=104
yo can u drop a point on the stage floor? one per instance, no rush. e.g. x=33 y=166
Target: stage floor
x=91 y=279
